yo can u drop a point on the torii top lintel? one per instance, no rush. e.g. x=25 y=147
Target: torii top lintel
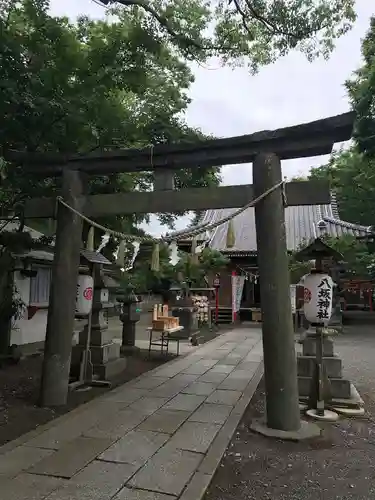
x=308 y=139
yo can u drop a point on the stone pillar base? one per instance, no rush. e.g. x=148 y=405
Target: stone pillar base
x=339 y=387
x=105 y=354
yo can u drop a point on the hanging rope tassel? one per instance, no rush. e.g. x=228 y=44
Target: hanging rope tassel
x=155 y=258
x=120 y=258
x=231 y=238
x=90 y=239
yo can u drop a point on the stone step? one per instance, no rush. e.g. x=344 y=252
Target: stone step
x=306 y=366
x=340 y=388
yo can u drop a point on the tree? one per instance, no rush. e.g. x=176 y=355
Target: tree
x=255 y=31
x=351 y=175
x=143 y=279
x=362 y=96
x=78 y=87
x=92 y=85
x=351 y=171
x=358 y=257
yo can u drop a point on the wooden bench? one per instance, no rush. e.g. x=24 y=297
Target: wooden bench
x=163 y=337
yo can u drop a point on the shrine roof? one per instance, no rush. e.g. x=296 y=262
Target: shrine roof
x=302 y=224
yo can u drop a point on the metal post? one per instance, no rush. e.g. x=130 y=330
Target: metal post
x=280 y=366
x=61 y=310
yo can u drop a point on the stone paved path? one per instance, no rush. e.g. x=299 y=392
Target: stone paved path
x=159 y=437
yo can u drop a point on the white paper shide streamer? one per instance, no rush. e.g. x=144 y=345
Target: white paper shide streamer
x=136 y=246
x=104 y=243
x=173 y=257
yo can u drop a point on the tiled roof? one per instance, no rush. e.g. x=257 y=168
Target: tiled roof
x=302 y=223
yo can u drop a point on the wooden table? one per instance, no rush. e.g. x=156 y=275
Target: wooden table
x=163 y=339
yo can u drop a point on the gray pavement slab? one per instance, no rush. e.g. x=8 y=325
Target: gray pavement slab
x=200 y=388
x=214 y=377
x=231 y=359
x=186 y=402
x=195 y=436
x=148 y=405
x=242 y=374
x=234 y=383
x=135 y=448
x=174 y=386
x=149 y=382
x=71 y=428
x=166 y=421
x=197 y=486
x=211 y=413
x=21 y=458
x=224 y=397
x=71 y=458
x=135 y=494
x=29 y=487
x=115 y=426
x=220 y=368
x=98 y=481
x=197 y=369
x=127 y=394
x=168 y=471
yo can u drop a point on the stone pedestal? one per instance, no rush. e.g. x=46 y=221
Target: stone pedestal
x=128 y=338
x=340 y=387
x=105 y=354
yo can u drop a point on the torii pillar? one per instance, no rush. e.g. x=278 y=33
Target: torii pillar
x=280 y=365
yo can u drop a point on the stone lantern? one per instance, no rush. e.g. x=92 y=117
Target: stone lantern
x=130 y=315
x=96 y=340
x=335 y=387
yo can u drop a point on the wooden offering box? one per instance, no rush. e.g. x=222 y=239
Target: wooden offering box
x=163 y=322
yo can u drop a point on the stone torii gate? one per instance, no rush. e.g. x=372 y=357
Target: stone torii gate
x=265 y=150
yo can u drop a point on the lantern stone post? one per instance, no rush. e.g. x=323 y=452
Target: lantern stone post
x=335 y=387
x=129 y=317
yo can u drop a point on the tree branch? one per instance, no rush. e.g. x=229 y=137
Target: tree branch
x=188 y=42
x=162 y=20
x=271 y=27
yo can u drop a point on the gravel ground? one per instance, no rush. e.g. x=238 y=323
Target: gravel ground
x=339 y=465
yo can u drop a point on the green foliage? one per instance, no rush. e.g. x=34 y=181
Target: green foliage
x=210 y=261
x=362 y=96
x=351 y=172
x=142 y=279
x=358 y=257
x=256 y=32
x=298 y=269
x=359 y=260
x=92 y=85
x=351 y=175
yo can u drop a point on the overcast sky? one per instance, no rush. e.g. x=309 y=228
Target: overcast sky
x=229 y=102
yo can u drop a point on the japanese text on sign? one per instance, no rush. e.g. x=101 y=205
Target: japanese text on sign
x=324 y=299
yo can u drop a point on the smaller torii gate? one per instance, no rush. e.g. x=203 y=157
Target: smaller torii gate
x=265 y=150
